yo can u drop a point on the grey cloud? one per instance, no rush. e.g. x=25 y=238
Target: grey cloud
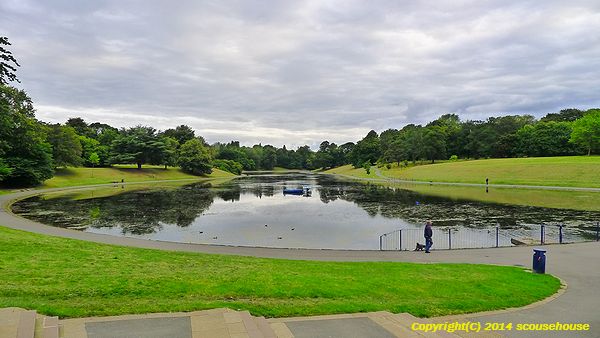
x=294 y=72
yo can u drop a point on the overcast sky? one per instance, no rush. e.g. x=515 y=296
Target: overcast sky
x=299 y=72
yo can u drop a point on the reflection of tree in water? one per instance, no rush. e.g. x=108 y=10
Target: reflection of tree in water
x=136 y=212
x=230 y=193
x=416 y=208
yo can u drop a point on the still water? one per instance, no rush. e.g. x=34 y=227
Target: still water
x=253 y=211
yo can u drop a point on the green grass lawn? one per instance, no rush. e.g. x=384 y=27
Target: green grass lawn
x=87 y=176
x=349 y=170
x=556 y=199
x=569 y=171
x=71 y=278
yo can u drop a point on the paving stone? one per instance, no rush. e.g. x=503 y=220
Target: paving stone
x=264 y=327
x=216 y=333
x=338 y=328
x=232 y=317
x=179 y=327
x=26 y=327
x=236 y=328
x=210 y=322
x=281 y=330
x=397 y=329
x=239 y=335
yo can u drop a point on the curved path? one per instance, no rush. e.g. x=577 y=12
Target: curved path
x=577 y=264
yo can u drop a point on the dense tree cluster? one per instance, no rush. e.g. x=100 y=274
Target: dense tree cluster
x=25 y=154
x=569 y=132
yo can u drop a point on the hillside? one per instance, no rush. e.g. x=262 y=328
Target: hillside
x=571 y=171
x=85 y=176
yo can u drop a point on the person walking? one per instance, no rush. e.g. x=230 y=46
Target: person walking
x=428 y=236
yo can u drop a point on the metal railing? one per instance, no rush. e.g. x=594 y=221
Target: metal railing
x=463 y=238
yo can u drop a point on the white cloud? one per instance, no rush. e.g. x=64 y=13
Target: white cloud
x=294 y=72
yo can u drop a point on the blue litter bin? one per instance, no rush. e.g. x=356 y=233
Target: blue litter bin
x=539 y=261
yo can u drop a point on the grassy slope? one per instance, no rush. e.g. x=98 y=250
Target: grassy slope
x=573 y=200
x=87 y=176
x=348 y=170
x=72 y=278
x=571 y=171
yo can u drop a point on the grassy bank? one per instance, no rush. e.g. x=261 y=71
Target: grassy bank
x=70 y=177
x=568 y=171
x=349 y=170
x=557 y=199
x=72 y=278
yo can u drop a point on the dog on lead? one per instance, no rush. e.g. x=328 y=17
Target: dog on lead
x=420 y=247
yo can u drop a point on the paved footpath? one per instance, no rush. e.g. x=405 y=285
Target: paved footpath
x=576 y=264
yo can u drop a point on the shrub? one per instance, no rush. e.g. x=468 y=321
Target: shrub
x=229 y=165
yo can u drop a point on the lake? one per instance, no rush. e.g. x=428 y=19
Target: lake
x=252 y=210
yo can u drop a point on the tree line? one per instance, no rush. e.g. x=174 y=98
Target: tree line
x=568 y=132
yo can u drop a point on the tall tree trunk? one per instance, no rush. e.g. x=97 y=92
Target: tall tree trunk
x=139 y=164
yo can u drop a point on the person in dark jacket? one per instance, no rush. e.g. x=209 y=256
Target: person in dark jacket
x=428 y=236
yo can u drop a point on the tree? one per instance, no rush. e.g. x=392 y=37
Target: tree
x=477 y=138
x=451 y=126
x=396 y=152
x=195 y=158
x=367 y=167
x=81 y=127
x=586 y=130
x=229 y=166
x=8 y=63
x=504 y=130
x=546 y=139
x=412 y=137
x=94 y=159
x=89 y=146
x=106 y=136
x=284 y=159
x=367 y=149
x=138 y=145
x=169 y=156
x=4 y=170
x=66 y=148
x=565 y=115
x=181 y=133
x=328 y=156
x=304 y=157
x=434 y=143
x=346 y=152
x=26 y=155
x=269 y=157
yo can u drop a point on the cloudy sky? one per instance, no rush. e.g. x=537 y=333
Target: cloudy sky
x=298 y=72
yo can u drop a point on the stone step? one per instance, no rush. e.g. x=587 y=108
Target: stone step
x=50 y=327
x=26 y=328
x=9 y=322
x=251 y=328
x=281 y=330
x=385 y=320
x=264 y=327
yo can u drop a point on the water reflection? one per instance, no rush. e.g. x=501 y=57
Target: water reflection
x=254 y=211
